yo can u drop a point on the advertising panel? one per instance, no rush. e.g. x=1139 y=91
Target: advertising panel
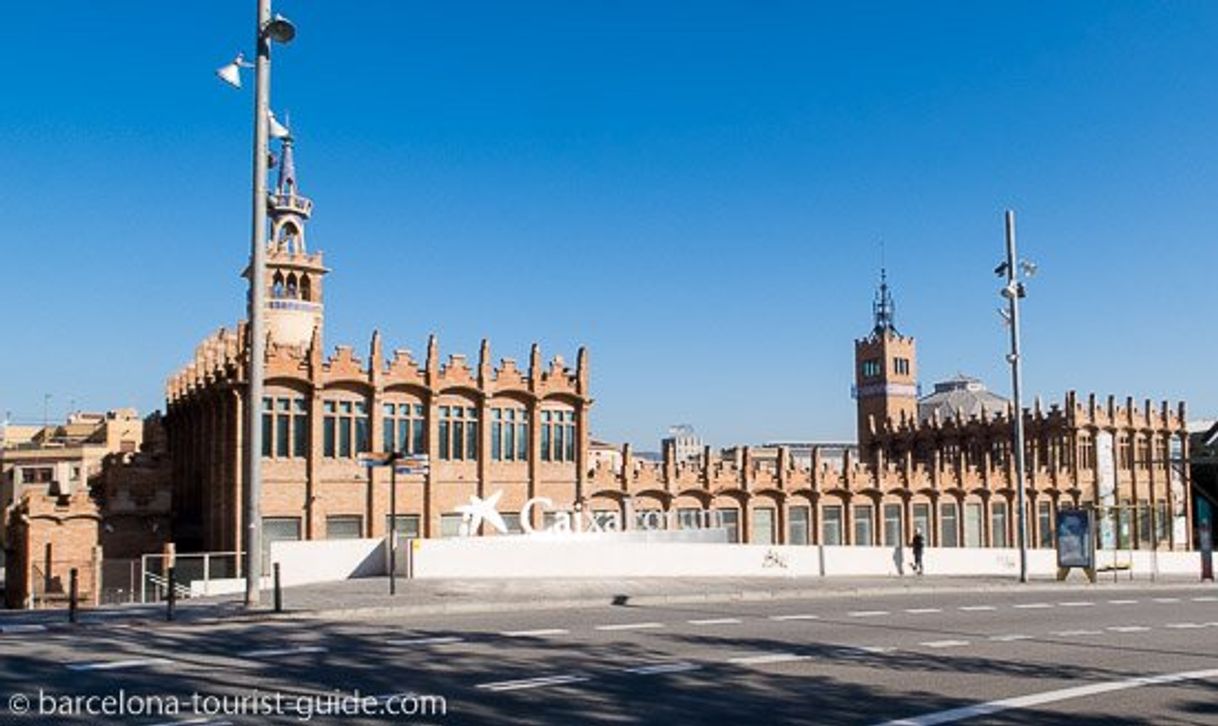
x=1075 y=546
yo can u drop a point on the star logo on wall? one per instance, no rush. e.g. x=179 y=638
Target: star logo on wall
x=481 y=510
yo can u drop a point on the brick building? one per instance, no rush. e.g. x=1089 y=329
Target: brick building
x=488 y=428
x=483 y=426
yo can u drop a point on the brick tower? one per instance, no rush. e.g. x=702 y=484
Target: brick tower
x=293 y=276
x=885 y=370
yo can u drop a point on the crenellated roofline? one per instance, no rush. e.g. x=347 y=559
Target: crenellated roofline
x=220 y=362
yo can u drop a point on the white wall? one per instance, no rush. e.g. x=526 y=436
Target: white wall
x=327 y=560
x=525 y=557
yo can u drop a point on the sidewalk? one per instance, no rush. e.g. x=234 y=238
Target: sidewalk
x=369 y=597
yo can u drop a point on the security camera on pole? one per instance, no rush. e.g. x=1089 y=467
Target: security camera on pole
x=279 y=30
x=1014 y=291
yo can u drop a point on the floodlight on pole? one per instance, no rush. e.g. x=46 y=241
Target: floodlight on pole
x=231 y=73
x=279 y=29
x=278 y=130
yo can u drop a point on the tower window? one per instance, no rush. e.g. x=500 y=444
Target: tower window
x=901 y=366
x=871 y=368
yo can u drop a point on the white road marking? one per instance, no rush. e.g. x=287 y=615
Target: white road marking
x=115 y=665
x=1039 y=699
x=1072 y=633
x=1076 y=604
x=767 y=658
x=921 y=611
x=874 y=649
x=435 y=640
x=867 y=613
x=23 y=628
x=534 y=633
x=1167 y=599
x=277 y=652
x=1128 y=628
x=1010 y=638
x=715 y=621
x=1122 y=602
x=794 y=617
x=524 y=683
x=976 y=608
x=1206 y=598
x=656 y=668
x=1185 y=626
x=944 y=643
x=630 y=626
x=1033 y=605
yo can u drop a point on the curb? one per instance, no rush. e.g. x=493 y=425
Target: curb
x=472 y=607
x=759 y=595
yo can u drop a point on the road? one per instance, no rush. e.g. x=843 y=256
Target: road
x=1074 y=655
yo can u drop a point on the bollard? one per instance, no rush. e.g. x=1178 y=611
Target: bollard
x=73 y=594
x=278 y=591
x=173 y=594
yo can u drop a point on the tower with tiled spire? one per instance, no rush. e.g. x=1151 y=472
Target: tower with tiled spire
x=294 y=307
x=885 y=369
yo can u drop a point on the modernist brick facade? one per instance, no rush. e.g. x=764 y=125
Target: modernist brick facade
x=326 y=483
x=322 y=412
x=950 y=478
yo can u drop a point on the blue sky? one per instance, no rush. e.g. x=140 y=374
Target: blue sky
x=694 y=191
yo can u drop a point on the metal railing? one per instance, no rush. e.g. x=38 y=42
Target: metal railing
x=195 y=573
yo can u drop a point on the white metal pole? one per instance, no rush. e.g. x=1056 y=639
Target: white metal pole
x=257 y=342
x=1016 y=384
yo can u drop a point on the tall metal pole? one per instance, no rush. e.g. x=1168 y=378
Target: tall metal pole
x=1013 y=293
x=257 y=342
x=393 y=523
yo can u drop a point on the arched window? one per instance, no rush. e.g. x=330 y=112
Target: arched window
x=277 y=285
x=288 y=235
x=292 y=292
x=306 y=288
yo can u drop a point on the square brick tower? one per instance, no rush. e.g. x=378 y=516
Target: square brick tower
x=885 y=371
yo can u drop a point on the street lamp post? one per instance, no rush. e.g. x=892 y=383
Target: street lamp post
x=279 y=30
x=1013 y=292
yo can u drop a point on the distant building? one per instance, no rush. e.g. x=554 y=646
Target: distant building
x=686 y=445
x=830 y=453
x=961 y=395
x=601 y=453
x=96 y=486
x=61 y=458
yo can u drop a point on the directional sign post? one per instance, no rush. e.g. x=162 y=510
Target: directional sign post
x=397 y=462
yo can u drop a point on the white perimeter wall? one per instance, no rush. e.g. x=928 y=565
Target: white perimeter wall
x=522 y=557
x=331 y=560
x=327 y=560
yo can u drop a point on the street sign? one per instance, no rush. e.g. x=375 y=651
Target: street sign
x=413 y=470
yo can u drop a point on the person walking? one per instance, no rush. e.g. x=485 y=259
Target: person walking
x=918 y=545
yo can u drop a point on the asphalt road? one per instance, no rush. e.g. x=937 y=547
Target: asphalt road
x=1076 y=656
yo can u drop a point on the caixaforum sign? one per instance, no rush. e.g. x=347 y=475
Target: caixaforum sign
x=580 y=519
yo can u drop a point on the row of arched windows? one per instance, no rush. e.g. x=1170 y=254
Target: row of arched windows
x=291 y=287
